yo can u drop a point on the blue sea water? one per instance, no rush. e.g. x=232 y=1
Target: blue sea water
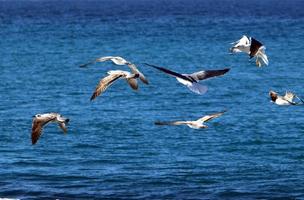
x=112 y=149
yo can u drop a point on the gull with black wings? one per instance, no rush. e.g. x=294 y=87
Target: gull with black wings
x=252 y=47
x=191 y=80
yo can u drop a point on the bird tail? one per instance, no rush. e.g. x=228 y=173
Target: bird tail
x=198 y=88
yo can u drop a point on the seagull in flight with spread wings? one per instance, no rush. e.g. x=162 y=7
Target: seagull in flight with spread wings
x=114 y=75
x=197 y=124
x=119 y=61
x=253 y=48
x=191 y=80
x=41 y=120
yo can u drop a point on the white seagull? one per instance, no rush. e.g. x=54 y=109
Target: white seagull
x=40 y=120
x=191 y=80
x=114 y=75
x=252 y=47
x=285 y=100
x=197 y=124
x=120 y=61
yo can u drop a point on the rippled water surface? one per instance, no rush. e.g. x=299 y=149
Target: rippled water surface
x=112 y=149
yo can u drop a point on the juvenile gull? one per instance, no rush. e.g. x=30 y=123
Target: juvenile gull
x=198 y=124
x=285 y=100
x=120 y=61
x=40 y=120
x=191 y=80
x=114 y=75
x=253 y=48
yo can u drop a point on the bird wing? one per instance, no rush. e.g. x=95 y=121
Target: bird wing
x=62 y=125
x=133 y=83
x=171 y=123
x=172 y=73
x=261 y=56
x=254 y=47
x=87 y=64
x=289 y=96
x=105 y=83
x=135 y=70
x=119 y=60
x=116 y=60
x=201 y=75
x=37 y=127
x=242 y=42
x=211 y=116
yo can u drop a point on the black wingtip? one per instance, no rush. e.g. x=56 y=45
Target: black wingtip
x=83 y=65
x=150 y=65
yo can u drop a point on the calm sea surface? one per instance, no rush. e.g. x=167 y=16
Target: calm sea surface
x=112 y=149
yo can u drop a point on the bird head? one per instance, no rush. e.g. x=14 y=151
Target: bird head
x=273 y=95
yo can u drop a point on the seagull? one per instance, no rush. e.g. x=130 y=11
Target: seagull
x=119 y=61
x=40 y=120
x=285 y=100
x=252 y=47
x=114 y=75
x=191 y=80
x=198 y=124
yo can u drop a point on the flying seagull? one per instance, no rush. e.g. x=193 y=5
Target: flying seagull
x=120 y=61
x=191 y=80
x=285 y=100
x=252 y=47
x=198 y=124
x=40 y=120
x=114 y=75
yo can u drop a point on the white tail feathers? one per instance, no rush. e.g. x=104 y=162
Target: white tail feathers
x=198 y=88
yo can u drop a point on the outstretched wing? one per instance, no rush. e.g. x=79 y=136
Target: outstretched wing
x=87 y=64
x=201 y=75
x=254 y=47
x=37 y=127
x=116 y=60
x=174 y=123
x=211 y=116
x=172 y=73
x=289 y=96
x=105 y=83
x=242 y=45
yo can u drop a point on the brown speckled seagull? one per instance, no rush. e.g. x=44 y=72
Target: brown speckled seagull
x=40 y=120
x=114 y=75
